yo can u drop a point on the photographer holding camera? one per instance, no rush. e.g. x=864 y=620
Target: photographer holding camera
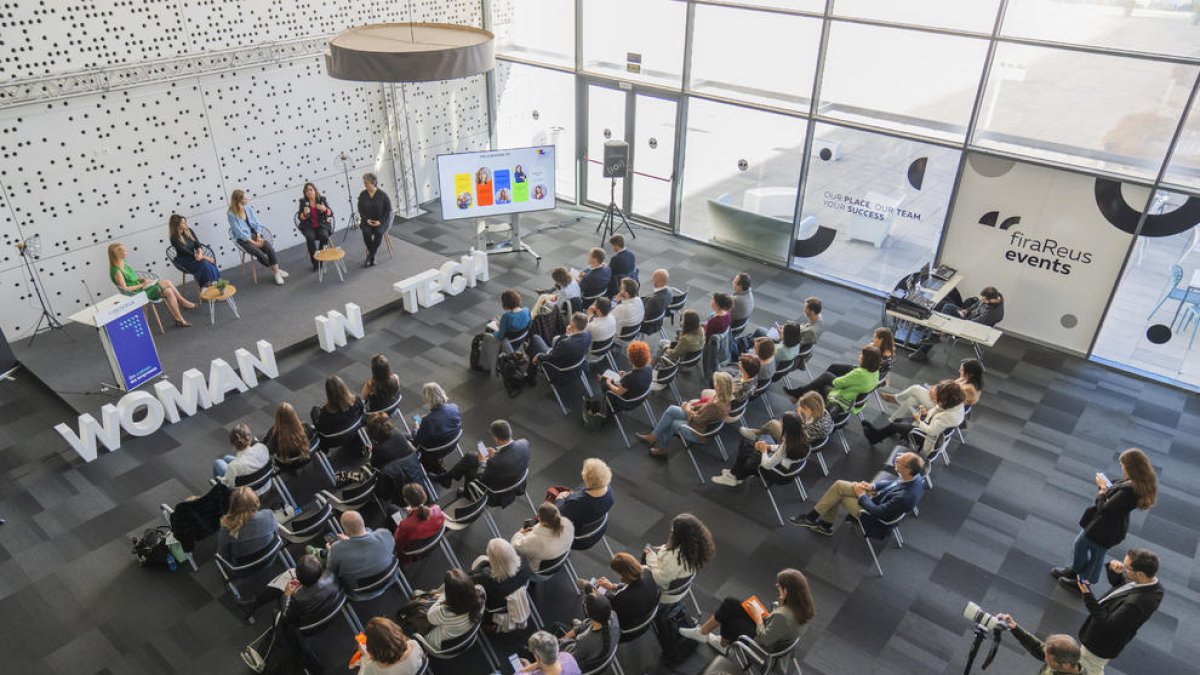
x=1060 y=654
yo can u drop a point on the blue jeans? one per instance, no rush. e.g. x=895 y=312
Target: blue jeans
x=1088 y=559
x=668 y=425
x=221 y=465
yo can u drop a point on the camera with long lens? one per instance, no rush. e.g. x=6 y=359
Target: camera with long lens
x=975 y=614
x=984 y=623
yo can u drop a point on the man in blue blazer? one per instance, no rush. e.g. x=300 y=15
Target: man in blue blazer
x=568 y=349
x=500 y=466
x=594 y=280
x=871 y=504
x=622 y=264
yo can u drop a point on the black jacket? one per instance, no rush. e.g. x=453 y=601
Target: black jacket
x=507 y=466
x=568 y=350
x=323 y=221
x=498 y=591
x=377 y=208
x=310 y=603
x=595 y=281
x=1115 y=619
x=656 y=303
x=1110 y=515
x=622 y=265
x=633 y=603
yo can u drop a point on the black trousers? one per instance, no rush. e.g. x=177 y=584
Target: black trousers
x=466 y=468
x=373 y=237
x=264 y=255
x=746 y=463
x=734 y=620
x=823 y=382
x=897 y=428
x=314 y=237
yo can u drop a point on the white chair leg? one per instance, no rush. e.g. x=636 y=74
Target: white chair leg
x=845 y=444
x=721 y=447
x=821 y=461
x=530 y=502
x=491 y=523
x=800 y=489
x=774 y=505
x=586 y=386
x=649 y=413
x=694 y=464
x=607 y=547
x=559 y=399
x=873 y=556
x=695 y=603
x=621 y=427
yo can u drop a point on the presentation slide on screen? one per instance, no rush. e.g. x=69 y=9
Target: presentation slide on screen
x=496 y=182
x=133 y=347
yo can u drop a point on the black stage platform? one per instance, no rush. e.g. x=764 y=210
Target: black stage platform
x=281 y=315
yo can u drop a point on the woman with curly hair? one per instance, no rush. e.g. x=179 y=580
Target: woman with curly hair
x=688 y=549
x=634 y=382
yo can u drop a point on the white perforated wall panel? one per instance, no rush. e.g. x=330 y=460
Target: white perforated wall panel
x=87 y=170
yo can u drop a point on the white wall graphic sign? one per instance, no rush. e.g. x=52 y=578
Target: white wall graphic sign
x=1039 y=236
x=333 y=327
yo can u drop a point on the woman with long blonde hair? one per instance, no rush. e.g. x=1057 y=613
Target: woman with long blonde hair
x=698 y=415
x=245 y=528
x=1106 y=522
x=127 y=280
x=245 y=229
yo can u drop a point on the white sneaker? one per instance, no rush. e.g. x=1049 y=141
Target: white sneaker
x=714 y=641
x=748 y=433
x=278 y=279
x=692 y=634
x=283 y=273
x=726 y=479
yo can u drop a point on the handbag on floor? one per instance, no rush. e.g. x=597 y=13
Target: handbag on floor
x=593 y=414
x=476 y=358
x=413 y=616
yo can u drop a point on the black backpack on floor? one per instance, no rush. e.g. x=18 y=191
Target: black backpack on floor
x=514 y=372
x=477 y=353
x=150 y=549
x=675 y=648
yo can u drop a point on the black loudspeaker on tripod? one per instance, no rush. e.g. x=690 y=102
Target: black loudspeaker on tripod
x=616 y=165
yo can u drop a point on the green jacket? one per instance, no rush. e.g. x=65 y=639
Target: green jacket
x=849 y=386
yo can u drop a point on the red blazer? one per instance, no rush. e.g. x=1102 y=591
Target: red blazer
x=413 y=529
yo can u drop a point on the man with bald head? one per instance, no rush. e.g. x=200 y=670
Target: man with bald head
x=872 y=504
x=660 y=296
x=359 y=553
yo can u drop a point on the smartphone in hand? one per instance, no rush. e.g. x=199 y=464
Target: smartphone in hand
x=482 y=450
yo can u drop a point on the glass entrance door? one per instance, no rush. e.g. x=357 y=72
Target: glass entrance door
x=647 y=123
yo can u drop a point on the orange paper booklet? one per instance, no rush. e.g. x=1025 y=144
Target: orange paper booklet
x=754 y=607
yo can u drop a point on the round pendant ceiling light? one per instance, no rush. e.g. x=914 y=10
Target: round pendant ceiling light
x=410 y=52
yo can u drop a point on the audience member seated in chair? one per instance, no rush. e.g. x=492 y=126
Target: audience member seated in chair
x=589 y=502
x=688 y=549
x=698 y=414
x=633 y=383
x=424 y=520
x=565 y=288
x=250 y=456
x=908 y=401
x=636 y=594
x=987 y=309
x=818 y=424
x=500 y=573
x=601 y=324
x=191 y=255
x=457 y=607
x=947 y=414
x=745 y=379
x=655 y=304
x=340 y=410
x=881 y=501
x=845 y=389
x=743 y=298
x=504 y=465
x=810 y=328
x=127 y=280
x=764 y=349
x=621 y=265
x=289 y=440
x=630 y=310
x=313 y=595
x=569 y=349
x=689 y=341
x=245 y=528
x=388 y=651
x=780 y=456
x=499 y=332
x=547 y=537
x=777 y=628
x=591 y=639
x=393 y=456
x=593 y=281
x=547 y=659
x=786 y=339
x=383 y=388
x=359 y=553
x=718 y=322
x=440 y=425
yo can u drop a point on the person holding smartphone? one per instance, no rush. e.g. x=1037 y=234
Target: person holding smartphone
x=1105 y=523
x=497 y=468
x=547 y=659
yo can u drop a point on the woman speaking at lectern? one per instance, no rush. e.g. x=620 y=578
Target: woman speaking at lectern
x=315 y=220
x=130 y=283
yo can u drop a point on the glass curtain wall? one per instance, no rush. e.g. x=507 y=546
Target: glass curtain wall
x=861 y=117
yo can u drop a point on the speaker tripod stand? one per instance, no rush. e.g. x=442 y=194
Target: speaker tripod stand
x=608 y=222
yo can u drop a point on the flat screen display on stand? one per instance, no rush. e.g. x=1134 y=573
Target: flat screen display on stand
x=496 y=182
